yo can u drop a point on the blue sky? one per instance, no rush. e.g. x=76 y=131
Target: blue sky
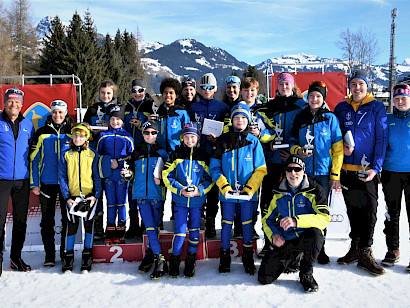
x=252 y=31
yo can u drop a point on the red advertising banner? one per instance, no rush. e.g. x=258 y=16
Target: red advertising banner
x=37 y=99
x=336 y=83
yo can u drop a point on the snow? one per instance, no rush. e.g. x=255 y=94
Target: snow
x=185 y=43
x=406 y=61
x=121 y=284
x=191 y=68
x=202 y=61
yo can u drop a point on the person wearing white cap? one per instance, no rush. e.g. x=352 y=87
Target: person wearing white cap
x=49 y=142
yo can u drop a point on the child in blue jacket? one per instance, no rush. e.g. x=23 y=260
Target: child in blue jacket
x=118 y=144
x=186 y=174
x=238 y=163
x=150 y=196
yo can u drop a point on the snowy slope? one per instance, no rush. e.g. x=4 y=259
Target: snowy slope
x=122 y=285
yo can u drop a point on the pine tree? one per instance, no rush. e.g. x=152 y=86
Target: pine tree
x=83 y=57
x=53 y=52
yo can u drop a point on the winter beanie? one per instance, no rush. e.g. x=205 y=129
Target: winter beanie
x=208 y=80
x=59 y=104
x=115 y=110
x=138 y=82
x=318 y=86
x=295 y=159
x=191 y=128
x=401 y=89
x=362 y=74
x=241 y=109
x=150 y=124
x=14 y=93
x=286 y=77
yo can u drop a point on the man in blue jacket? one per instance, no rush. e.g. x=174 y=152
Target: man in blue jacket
x=366 y=119
x=294 y=224
x=16 y=135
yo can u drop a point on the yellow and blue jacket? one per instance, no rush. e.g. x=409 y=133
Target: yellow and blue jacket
x=238 y=158
x=327 y=158
x=307 y=204
x=185 y=163
x=49 y=142
x=78 y=173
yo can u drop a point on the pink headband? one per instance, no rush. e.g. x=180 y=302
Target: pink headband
x=286 y=77
x=401 y=91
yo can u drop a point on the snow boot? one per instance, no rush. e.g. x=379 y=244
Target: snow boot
x=68 y=261
x=110 y=235
x=98 y=227
x=352 y=255
x=87 y=259
x=368 y=263
x=407 y=269
x=210 y=231
x=120 y=234
x=323 y=258
x=174 y=263
x=18 y=264
x=247 y=261
x=50 y=259
x=160 y=267
x=308 y=282
x=190 y=262
x=134 y=230
x=392 y=256
x=147 y=262
x=225 y=261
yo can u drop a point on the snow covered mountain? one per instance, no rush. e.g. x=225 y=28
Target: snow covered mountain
x=380 y=73
x=188 y=57
x=44 y=25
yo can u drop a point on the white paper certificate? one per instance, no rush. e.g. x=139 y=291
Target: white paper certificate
x=158 y=168
x=212 y=127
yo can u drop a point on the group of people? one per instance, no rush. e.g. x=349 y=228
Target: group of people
x=285 y=156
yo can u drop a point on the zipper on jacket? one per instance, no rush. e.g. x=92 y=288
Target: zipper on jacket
x=79 y=172
x=146 y=174
x=190 y=171
x=14 y=163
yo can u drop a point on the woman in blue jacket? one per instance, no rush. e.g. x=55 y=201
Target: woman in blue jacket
x=186 y=174
x=238 y=167
x=395 y=175
x=49 y=142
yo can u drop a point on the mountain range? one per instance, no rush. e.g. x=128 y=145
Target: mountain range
x=190 y=57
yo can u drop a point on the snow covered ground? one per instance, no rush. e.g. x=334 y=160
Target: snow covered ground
x=121 y=285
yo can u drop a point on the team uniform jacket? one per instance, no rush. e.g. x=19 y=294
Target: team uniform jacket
x=238 y=157
x=15 y=150
x=116 y=143
x=281 y=111
x=208 y=109
x=170 y=124
x=48 y=145
x=308 y=205
x=143 y=162
x=187 y=162
x=78 y=173
x=327 y=158
x=132 y=110
x=398 y=149
x=369 y=129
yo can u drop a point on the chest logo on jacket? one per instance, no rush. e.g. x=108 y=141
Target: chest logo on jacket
x=348 y=119
x=174 y=124
x=301 y=203
x=248 y=157
x=6 y=127
x=323 y=132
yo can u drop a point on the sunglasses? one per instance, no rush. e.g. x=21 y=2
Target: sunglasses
x=318 y=83
x=140 y=90
x=207 y=88
x=233 y=79
x=296 y=169
x=78 y=131
x=58 y=104
x=147 y=133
